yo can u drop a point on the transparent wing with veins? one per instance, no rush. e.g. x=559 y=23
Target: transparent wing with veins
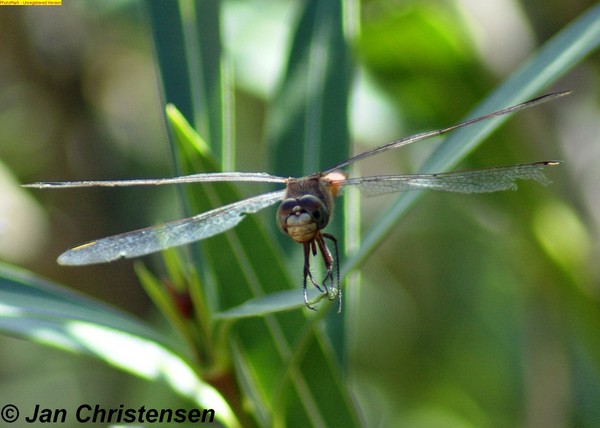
x=473 y=181
x=425 y=135
x=145 y=241
x=153 y=239
x=217 y=177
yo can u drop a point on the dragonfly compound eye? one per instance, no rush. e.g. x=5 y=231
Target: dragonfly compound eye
x=285 y=209
x=316 y=208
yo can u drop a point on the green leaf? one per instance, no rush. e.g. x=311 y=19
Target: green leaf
x=46 y=313
x=274 y=302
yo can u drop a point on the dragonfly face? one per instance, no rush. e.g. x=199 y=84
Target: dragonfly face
x=306 y=205
x=302 y=218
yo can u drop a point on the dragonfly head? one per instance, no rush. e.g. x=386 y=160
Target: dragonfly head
x=302 y=218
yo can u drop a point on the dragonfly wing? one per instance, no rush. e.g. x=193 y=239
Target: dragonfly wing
x=255 y=177
x=425 y=135
x=150 y=240
x=473 y=181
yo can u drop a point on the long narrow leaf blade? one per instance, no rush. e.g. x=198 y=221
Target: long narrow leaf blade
x=46 y=313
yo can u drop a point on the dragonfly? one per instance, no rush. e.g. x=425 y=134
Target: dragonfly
x=305 y=204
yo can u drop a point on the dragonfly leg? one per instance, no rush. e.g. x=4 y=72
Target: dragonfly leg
x=307 y=275
x=331 y=262
x=328 y=261
x=310 y=247
x=331 y=265
x=335 y=261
